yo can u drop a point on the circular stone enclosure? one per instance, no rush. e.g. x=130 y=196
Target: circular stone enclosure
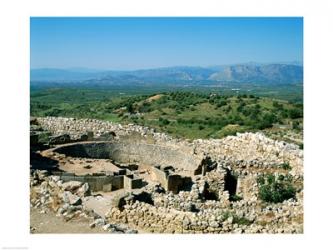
x=133 y=153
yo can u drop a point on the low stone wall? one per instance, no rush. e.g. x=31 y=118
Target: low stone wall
x=161 y=220
x=170 y=181
x=74 y=127
x=160 y=176
x=131 y=182
x=104 y=183
x=177 y=182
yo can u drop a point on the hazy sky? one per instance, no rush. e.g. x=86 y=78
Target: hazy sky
x=136 y=43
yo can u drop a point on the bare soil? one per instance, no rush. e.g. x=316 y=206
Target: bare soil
x=50 y=223
x=83 y=166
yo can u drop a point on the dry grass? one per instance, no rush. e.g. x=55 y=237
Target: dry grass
x=154 y=98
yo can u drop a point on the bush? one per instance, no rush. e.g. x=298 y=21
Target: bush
x=275 y=190
x=261 y=180
x=295 y=125
x=285 y=166
x=130 y=108
x=163 y=121
x=235 y=197
x=241 y=221
x=145 y=107
x=221 y=103
x=295 y=113
x=277 y=105
x=236 y=220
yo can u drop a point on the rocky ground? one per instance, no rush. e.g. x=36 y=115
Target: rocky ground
x=208 y=207
x=47 y=222
x=55 y=204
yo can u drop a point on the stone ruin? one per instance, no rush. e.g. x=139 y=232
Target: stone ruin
x=148 y=181
x=129 y=165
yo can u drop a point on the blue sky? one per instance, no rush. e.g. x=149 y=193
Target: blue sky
x=138 y=43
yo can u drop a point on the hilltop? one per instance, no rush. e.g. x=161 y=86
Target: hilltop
x=181 y=114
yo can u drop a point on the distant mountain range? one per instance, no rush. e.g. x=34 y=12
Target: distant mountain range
x=278 y=73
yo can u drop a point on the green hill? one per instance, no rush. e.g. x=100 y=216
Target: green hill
x=181 y=114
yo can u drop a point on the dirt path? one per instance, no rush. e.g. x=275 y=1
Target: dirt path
x=50 y=223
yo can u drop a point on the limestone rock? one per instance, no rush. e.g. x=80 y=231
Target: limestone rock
x=71 y=185
x=60 y=139
x=84 y=190
x=70 y=198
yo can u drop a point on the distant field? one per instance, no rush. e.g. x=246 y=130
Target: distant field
x=57 y=91
x=186 y=112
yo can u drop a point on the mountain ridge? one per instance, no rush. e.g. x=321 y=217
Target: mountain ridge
x=275 y=73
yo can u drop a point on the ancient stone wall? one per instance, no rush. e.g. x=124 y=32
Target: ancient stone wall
x=170 y=181
x=205 y=208
x=104 y=183
x=160 y=176
x=74 y=127
x=161 y=220
x=252 y=150
x=247 y=149
x=131 y=182
x=127 y=153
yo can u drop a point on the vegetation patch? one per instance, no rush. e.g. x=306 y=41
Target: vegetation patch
x=285 y=166
x=276 y=189
x=182 y=114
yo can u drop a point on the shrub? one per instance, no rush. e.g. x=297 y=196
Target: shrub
x=261 y=180
x=129 y=107
x=295 y=125
x=201 y=127
x=295 y=113
x=241 y=221
x=226 y=215
x=235 y=197
x=221 y=103
x=228 y=109
x=236 y=220
x=275 y=190
x=277 y=105
x=145 y=108
x=163 y=121
x=285 y=166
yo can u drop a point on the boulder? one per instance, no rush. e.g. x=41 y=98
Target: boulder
x=87 y=136
x=107 y=136
x=99 y=222
x=120 y=199
x=70 y=198
x=72 y=185
x=214 y=224
x=84 y=190
x=60 y=139
x=106 y=227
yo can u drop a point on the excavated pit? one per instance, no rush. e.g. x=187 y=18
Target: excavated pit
x=132 y=154
x=127 y=165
